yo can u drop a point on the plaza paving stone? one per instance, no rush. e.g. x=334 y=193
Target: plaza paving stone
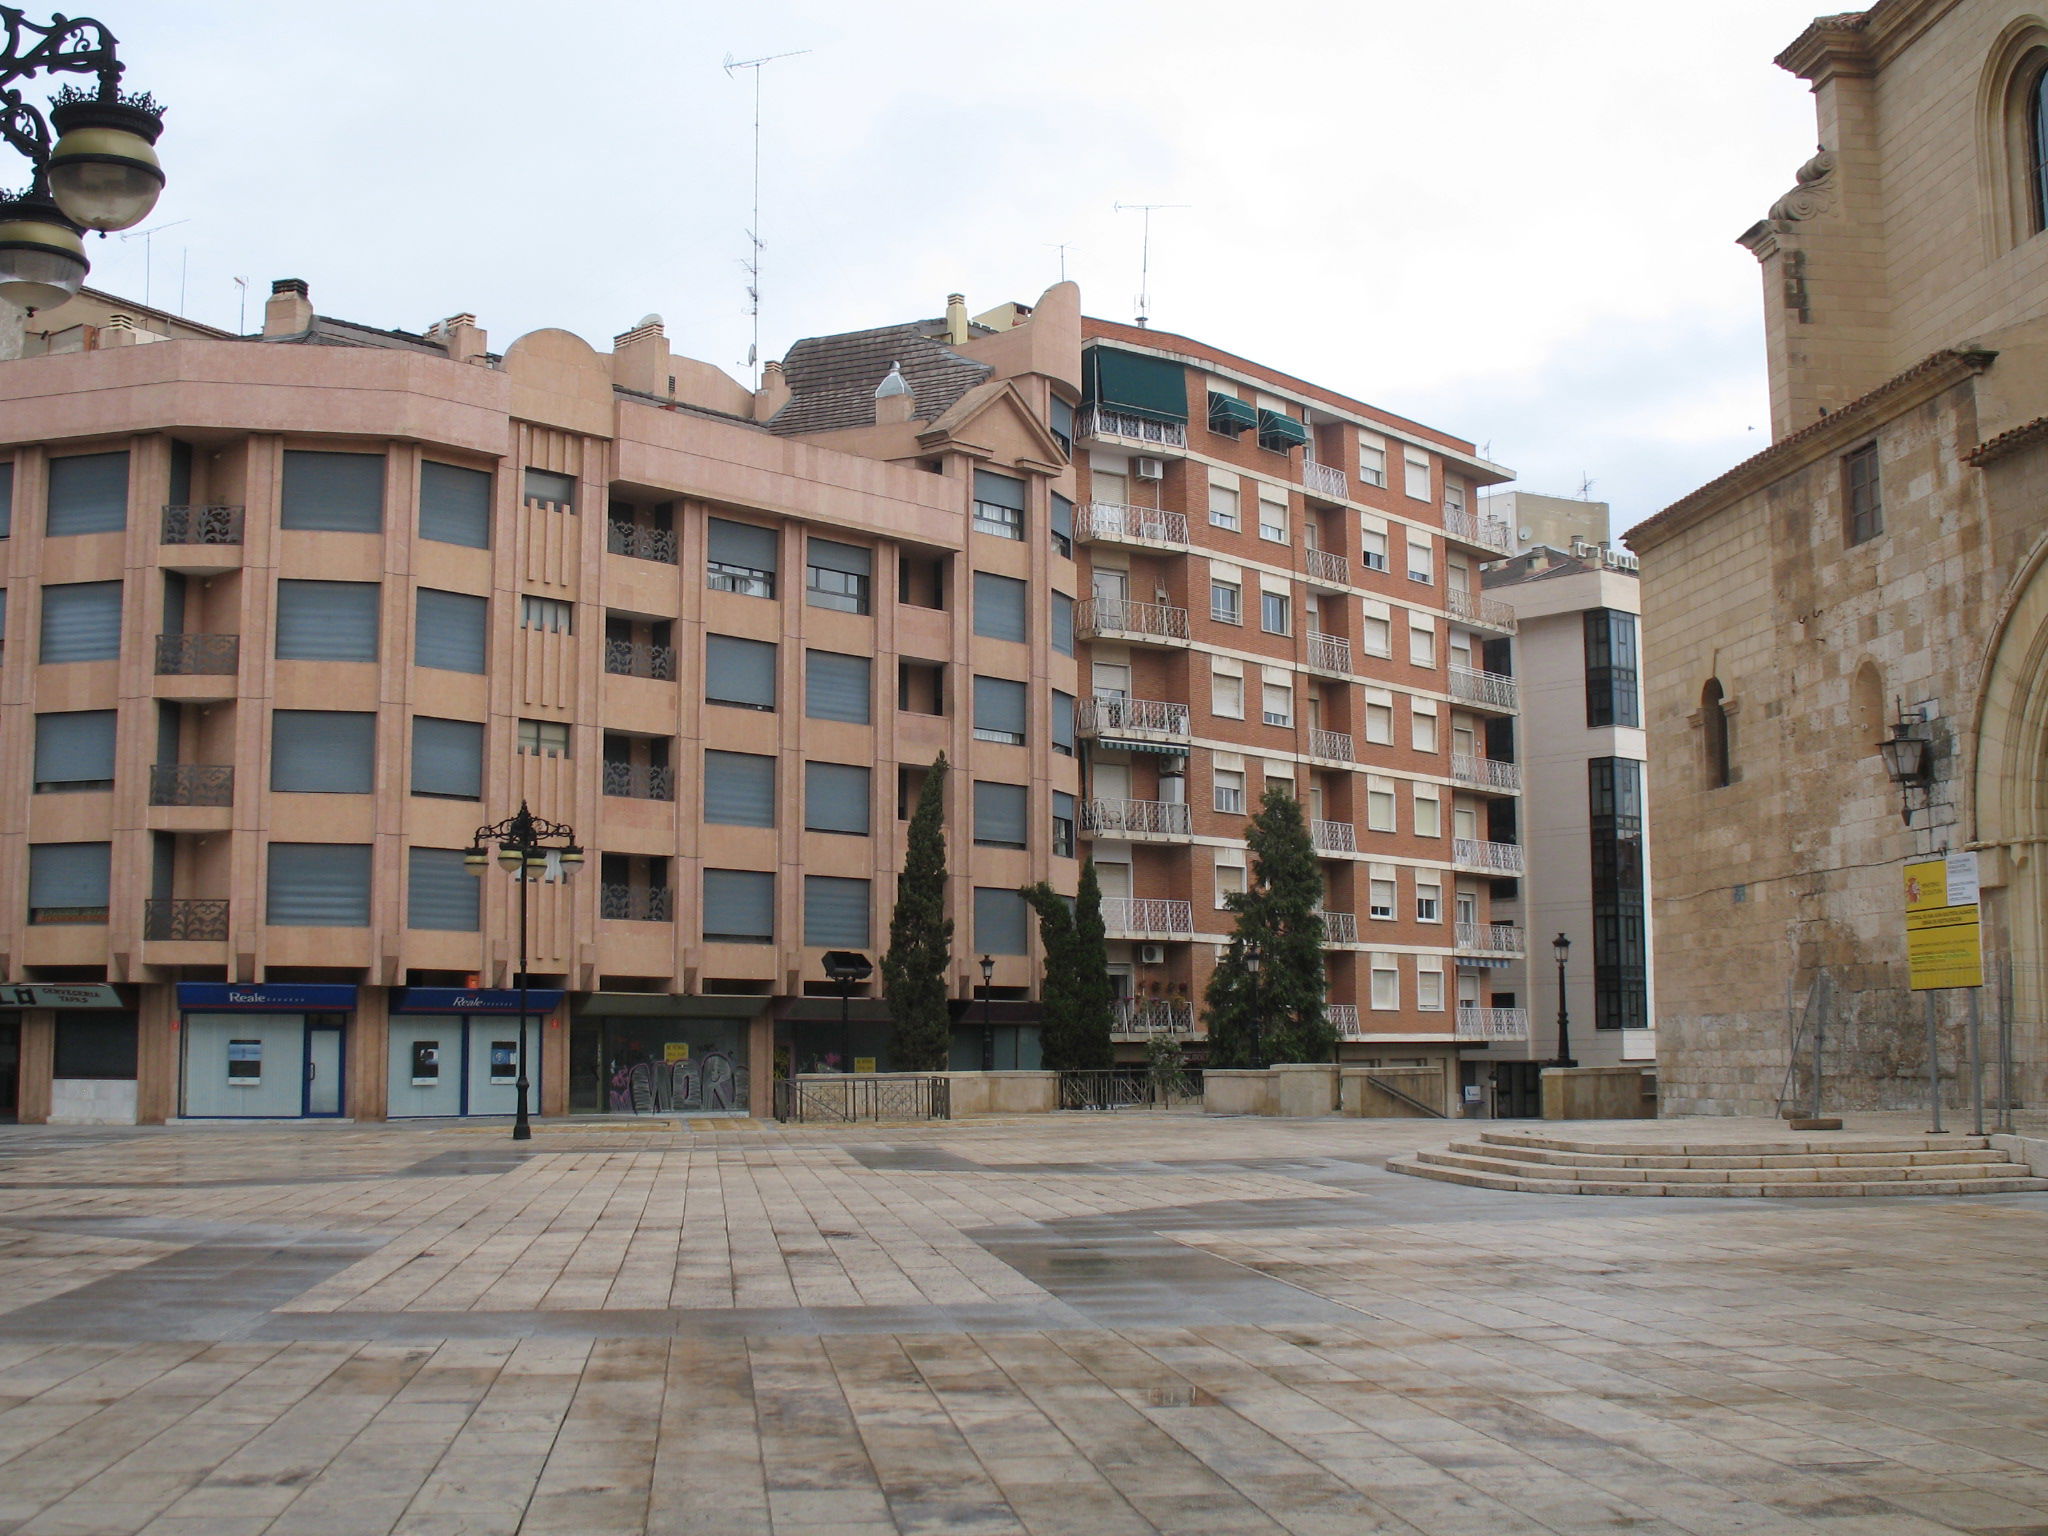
x=1075 y=1324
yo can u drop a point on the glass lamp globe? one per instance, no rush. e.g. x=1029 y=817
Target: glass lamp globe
x=103 y=169
x=42 y=258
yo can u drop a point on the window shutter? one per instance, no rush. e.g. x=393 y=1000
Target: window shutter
x=1062 y=421
x=333 y=492
x=744 y=544
x=851 y=559
x=836 y=913
x=998 y=705
x=318 y=885
x=440 y=892
x=68 y=875
x=1000 y=813
x=323 y=752
x=89 y=494
x=998 y=606
x=1063 y=722
x=455 y=505
x=76 y=747
x=739 y=905
x=1063 y=623
x=447 y=757
x=739 y=789
x=82 y=621
x=739 y=671
x=450 y=635
x=7 y=500
x=327 y=620
x=837 y=798
x=999 y=921
x=998 y=490
x=3 y=616
x=837 y=687
x=1063 y=519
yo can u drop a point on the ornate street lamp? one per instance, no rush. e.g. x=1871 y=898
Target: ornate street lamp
x=1562 y=947
x=101 y=173
x=988 y=1023
x=525 y=843
x=1906 y=760
x=1253 y=959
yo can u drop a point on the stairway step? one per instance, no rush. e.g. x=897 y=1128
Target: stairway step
x=1805 y=1158
x=1825 y=1142
x=1466 y=1156
x=1454 y=1173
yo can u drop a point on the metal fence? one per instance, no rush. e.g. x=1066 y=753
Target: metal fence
x=847 y=1099
x=1130 y=1088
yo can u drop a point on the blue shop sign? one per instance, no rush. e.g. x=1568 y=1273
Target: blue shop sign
x=480 y=1000
x=265 y=997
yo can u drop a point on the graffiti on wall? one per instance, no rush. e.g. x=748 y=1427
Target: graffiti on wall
x=713 y=1081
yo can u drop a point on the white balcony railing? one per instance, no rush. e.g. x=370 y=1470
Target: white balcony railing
x=1493 y=1023
x=1112 y=522
x=1136 y=818
x=1339 y=927
x=1334 y=836
x=1120 y=616
x=1099 y=716
x=1487 y=532
x=1326 y=567
x=1331 y=744
x=1325 y=480
x=1490 y=858
x=1329 y=653
x=1344 y=1019
x=1147 y=917
x=1141 y=1018
x=1475 y=609
x=1500 y=939
x=1486 y=772
x=1101 y=421
x=1494 y=690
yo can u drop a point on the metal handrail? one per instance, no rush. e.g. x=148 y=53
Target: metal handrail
x=1325 y=480
x=1131 y=915
x=198 y=655
x=1144 y=1017
x=1493 y=1023
x=1329 y=653
x=1496 y=858
x=191 y=784
x=641 y=543
x=1344 y=1019
x=1335 y=745
x=1495 y=689
x=1119 y=523
x=1120 y=615
x=1334 y=836
x=1100 y=421
x=1093 y=715
x=1491 y=938
x=195 y=524
x=1326 y=566
x=1487 y=532
x=860 y=1096
x=646 y=904
x=631 y=781
x=1339 y=927
x=174 y=919
x=1480 y=610
x=1490 y=772
x=1406 y=1098
x=636 y=658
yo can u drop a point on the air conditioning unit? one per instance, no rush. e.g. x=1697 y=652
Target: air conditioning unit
x=1146 y=467
x=1151 y=954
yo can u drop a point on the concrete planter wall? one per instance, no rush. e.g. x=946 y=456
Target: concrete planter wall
x=1302 y=1088
x=1236 y=1091
x=1596 y=1093
x=1364 y=1097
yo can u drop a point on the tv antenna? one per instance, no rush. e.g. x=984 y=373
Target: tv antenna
x=752 y=265
x=1585 y=487
x=1145 y=252
x=144 y=236
x=1062 y=246
x=242 y=306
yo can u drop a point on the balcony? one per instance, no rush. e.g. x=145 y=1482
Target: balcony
x=1145 y=1018
x=1130 y=717
x=638 y=658
x=1335 y=745
x=1343 y=1018
x=1334 y=836
x=658 y=544
x=1136 y=818
x=637 y=904
x=1489 y=690
x=1328 y=569
x=1339 y=927
x=1493 y=1024
x=1487 y=533
x=185 y=919
x=634 y=781
x=1486 y=773
x=198 y=655
x=1109 y=522
x=1469 y=853
x=1325 y=481
x=1147 y=917
x=1328 y=653
x=1472 y=608
x=202 y=525
x=1497 y=941
x=1118 y=618
x=1099 y=421
x=191 y=784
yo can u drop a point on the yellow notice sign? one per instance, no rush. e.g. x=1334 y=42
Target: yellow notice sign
x=1943 y=937
x=675 y=1050
x=863 y=1063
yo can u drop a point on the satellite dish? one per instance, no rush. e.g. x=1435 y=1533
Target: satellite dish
x=647 y=320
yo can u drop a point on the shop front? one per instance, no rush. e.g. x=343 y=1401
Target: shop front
x=457 y=1051
x=634 y=1053
x=264 y=1050
x=91 y=1052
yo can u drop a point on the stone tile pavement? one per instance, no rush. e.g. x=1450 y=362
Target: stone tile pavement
x=1078 y=1324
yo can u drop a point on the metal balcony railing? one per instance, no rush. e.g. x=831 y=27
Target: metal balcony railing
x=1136 y=818
x=1147 y=916
x=1490 y=858
x=198 y=655
x=1486 y=772
x=1344 y=1019
x=658 y=544
x=175 y=918
x=642 y=904
x=1330 y=744
x=1339 y=927
x=635 y=658
x=1491 y=689
x=1114 y=523
x=1325 y=480
x=1141 y=1018
x=1100 y=421
x=1324 y=566
x=1475 y=609
x=1334 y=836
x=1329 y=653
x=1502 y=939
x=1100 y=716
x=191 y=784
x=1137 y=621
x=632 y=781
x=1493 y=1024
x=202 y=525
x=1486 y=532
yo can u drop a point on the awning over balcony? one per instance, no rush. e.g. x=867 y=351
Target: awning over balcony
x=1281 y=431
x=1166 y=748
x=1150 y=387
x=1229 y=414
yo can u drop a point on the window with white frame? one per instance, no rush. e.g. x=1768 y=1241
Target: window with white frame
x=1416 y=483
x=1429 y=989
x=1229 y=875
x=1272 y=519
x=1454 y=497
x=1379 y=724
x=1429 y=900
x=1379 y=808
x=998 y=504
x=1421 y=644
x=1422 y=729
x=1429 y=812
x=1277 y=703
x=545 y=613
x=1372 y=459
x=1372 y=548
x=1376 y=636
x=1226 y=602
x=1421 y=567
x=1229 y=790
x=1223 y=507
x=1386 y=983
x=1380 y=898
x=1226 y=690
x=544 y=738
x=1273 y=613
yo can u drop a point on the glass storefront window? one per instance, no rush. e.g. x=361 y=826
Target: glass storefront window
x=95 y=1042
x=657 y=1066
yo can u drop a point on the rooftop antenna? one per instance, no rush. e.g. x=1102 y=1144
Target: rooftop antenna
x=1145 y=253
x=144 y=236
x=242 y=307
x=752 y=265
x=1062 y=246
x=1585 y=487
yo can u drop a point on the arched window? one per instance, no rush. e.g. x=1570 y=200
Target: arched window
x=1714 y=724
x=2037 y=147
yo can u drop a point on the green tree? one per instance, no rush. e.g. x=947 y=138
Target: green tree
x=1094 y=997
x=1057 y=998
x=1279 y=913
x=920 y=952
x=1075 y=995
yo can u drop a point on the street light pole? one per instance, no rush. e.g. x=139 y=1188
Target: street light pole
x=1253 y=958
x=988 y=1023
x=1563 y=948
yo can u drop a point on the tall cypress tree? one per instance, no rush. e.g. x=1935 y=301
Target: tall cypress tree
x=1057 y=1040
x=1094 y=997
x=1075 y=997
x=920 y=950
x=1278 y=912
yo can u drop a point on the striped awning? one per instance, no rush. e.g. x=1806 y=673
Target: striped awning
x=1116 y=744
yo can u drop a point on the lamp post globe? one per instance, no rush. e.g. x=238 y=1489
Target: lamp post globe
x=104 y=172
x=42 y=255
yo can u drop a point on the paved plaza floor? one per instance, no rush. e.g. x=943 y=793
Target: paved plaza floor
x=1069 y=1326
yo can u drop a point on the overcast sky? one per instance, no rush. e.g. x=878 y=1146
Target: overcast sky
x=1514 y=221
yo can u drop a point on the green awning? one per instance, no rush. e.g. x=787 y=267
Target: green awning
x=1281 y=431
x=1229 y=414
x=1166 y=749
x=1130 y=382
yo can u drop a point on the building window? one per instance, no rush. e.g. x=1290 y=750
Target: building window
x=1717 y=735
x=544 y=738
x=1372 y=549
x=1429 y=901
x=1229 y=877
x=1273 y=612
x=836 y=912
x=1417 y=480
x=1273 y=521
x=1611 y=668
x=74 y=751
x=88 y=493
x=1379 y=810
x=1226 y=695
x=1386 y=983
x=1376 y=636
x=838 y=575
x=2037 y=150
x=1429 y=814
x=1865 y=519
x=450 y=630
x=1379 y=724
x=323 y=752
x=838 y=687
x=1422 y=730
x=545 y=488
x=1063 y=723
x=332 y=492
x=1620 y=940
x=1001 y=813
x=1002 y=921
x=998 y=505
x=999 y=607
x=1372 y=461
x=741 y=558
x=1380 y=900
x=1429 y=990
x=838 y=797
x=549 y=614
x=1226 y=602
x=447 y=758
x=1277 y=704
x=1454 y=500
x=999 y=710
x=455 y=505
x=318 y=885
x=327 y=620
x=1421 y=645
x=1223 y=508
x=1062 y=526
x=1229 y=790
x=441 y=894
x=1421 y=566
x=739 y=672
x=1062 y=824
x=68 y=882
x=739 y=789
x=739 y=906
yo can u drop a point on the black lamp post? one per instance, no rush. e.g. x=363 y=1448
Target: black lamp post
x=524 y=843
x=847 y=967
x=1252 y=961
x=988 y=1023
x=1563 y=949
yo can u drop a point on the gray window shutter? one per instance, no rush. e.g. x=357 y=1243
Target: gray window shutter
x=998 y=606
x=450 y=635
x=998 y=705
x=327 y=620
x=739 y=671
x=447 y=758
x=1063 y=722
x=1000 y=813
x=68 y=875
x=1063 y=623
x=739 y=789
x=318 y=885
x=1062 y=420
x=455 y=505
x=1063 y=815
x=76 y=747
x=1063 y=520
x=440 y=892
x=998 y=490
x=739 y=906
x=82 y=621
x=3 y=616
x=742 y=544
x=89 y=494
x=999 y=921
x=837 y=687
x=836 y=913
x=7 y=500
x=829 y=555
x=332 y=492
x=546 y=485
x=323 y=752
x=837 y=798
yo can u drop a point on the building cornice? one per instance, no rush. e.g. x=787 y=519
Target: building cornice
x=1859 y=43
x=1992 y=449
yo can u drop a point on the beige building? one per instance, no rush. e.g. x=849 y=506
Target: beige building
x=1876 y=568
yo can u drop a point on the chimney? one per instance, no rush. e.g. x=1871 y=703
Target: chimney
x=773 y=394
x=893 y=399
x=956 y=319
x=640 y=357
x=290 y=311
x=464 y=339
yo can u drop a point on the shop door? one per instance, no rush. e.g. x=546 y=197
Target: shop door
x=494 y=1066
x=10 y=1068
x=324 y=1058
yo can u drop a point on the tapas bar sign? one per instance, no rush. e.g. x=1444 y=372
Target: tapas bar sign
x=83 y=996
